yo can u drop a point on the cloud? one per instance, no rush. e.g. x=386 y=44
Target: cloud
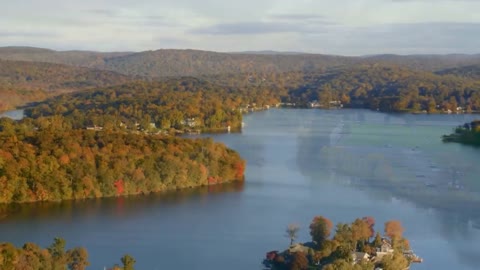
x=298 y=16
x=402 y=38
x=121 y=18
x=23 y=34
x=243 y=28
x=102 y=12
x=172 y=42
x=434 y=0
x=340 y=27
x=279 y=23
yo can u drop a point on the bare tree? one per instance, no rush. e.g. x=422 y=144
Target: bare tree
x=292 y=232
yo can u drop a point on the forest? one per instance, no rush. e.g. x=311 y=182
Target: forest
x=181 y=104
x=55 y=257
x=215 y=102
x=391 y=89
x=45 y=159
x=354 y=246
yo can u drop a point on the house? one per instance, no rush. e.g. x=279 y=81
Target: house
x=190 y=122
x=357 y=257
x=314 y=104
x=298 y=248
x=336 y=103
x=95 y=128
x=383 y=250
x=385 y=247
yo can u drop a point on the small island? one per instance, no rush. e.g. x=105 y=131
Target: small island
x=468 y=133
x=354 y=246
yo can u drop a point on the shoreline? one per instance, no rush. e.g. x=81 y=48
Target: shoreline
x=138 y=194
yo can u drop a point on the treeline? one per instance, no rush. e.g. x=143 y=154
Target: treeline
x=469 y=133
x=46 y=160
x=55 y=257
x=173 y=104
x=391 y=89
x=354 y=246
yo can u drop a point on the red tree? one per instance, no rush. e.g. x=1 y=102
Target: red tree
x=120 y=186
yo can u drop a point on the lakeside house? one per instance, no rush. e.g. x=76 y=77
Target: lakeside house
x=385 y=249
x=358 y=257
x=95 y=128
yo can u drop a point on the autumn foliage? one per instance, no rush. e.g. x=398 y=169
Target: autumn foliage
x=320 y=229
x=120 y=186
x=394 y=229
x=46 y=160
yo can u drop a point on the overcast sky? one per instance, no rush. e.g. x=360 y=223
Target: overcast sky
x=346 y=27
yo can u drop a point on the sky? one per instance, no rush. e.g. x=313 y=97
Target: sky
x=342 y=27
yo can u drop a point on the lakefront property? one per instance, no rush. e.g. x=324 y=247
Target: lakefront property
x=353 y=246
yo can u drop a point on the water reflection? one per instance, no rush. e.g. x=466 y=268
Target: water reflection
x=15 y=114
x=386 y=158
x=120 y=207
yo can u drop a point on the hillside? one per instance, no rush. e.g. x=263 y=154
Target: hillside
x=390 y=88
x=23 y=82
x=164 y=63
x=167 y=63
x=472 y=72
x=72 y=58
x=384 y=82
x=425 y=62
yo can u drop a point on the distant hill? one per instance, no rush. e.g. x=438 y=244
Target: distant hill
x=164 y=63
x=168 y=63
x=471 y=72
x=268 y=52
x=72 y=58
x=426 y=62
x=22 y=82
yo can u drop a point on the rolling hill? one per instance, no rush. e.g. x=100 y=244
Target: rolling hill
x=168 y=63
x=22 y=82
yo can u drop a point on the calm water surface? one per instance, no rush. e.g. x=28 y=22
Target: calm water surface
x=15 y=114
x=341 y=164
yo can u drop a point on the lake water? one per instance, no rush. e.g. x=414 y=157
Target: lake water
x=341 y=164
x=15 y=114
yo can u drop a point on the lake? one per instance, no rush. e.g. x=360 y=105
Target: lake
x=341 y=164
x=15 y=114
